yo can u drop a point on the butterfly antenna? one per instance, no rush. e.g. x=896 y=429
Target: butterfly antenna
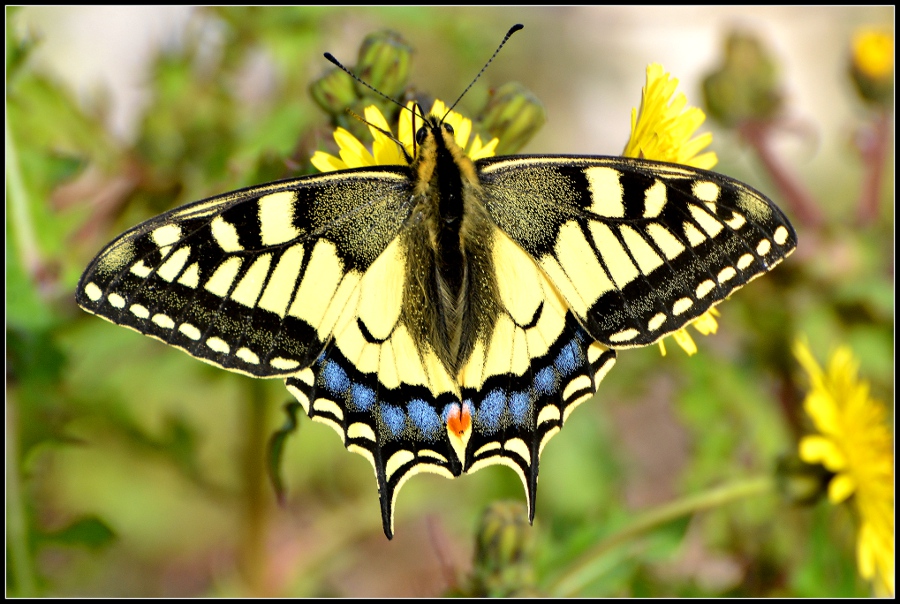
x=331 y=58
x=508 y=35
x=338 y=64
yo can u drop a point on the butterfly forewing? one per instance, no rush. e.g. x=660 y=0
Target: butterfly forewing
x=637 y=248
x=249 y=280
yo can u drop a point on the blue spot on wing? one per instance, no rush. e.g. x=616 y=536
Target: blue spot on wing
x=393 y=418
x=546 y=381
x=569 y=358
x=362 y=397
x=335 y=378
x=491 y=410
x=519 y=405
x=424 y=417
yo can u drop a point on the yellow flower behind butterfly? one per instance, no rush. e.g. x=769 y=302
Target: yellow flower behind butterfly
x=855 y=444
x=873 y=53
x=661 y=130
x=385 y=151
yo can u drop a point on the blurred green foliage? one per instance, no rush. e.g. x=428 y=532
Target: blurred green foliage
x=133 y=470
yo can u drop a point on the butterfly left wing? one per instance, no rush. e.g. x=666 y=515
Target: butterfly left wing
x=637 y=248
x=302 y=279
x=380 y=388
x=253 y=280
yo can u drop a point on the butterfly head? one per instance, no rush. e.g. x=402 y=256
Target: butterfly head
x=436 y=145
x=434 y=127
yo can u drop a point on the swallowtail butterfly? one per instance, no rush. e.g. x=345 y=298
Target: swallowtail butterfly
x=444 y=315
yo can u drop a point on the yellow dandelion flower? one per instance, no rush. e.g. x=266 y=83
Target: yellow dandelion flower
x=873 y=53
x=705 y=324
x=385 y=151
x=855 y=443
x=661 y=130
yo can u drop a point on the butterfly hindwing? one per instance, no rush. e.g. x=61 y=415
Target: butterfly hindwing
x=637 y=248
x=382 y=389
x=399 y=430
x=391 y=399
x=530 y=370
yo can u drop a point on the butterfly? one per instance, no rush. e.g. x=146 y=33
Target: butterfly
x=447 y=314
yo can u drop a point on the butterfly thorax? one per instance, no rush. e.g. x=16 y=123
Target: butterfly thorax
x=452 y=237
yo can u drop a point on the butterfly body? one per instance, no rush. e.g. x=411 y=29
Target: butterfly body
x=446 y=315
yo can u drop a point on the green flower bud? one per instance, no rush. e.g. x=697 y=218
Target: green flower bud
x=746 y=86
x=384 y=59
x=503 y=552
x=334 y=91
x=514 y=115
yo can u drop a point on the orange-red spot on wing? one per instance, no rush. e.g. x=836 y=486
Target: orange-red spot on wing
x=459 y=419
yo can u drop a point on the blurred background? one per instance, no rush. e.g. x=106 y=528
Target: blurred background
x=134 y=470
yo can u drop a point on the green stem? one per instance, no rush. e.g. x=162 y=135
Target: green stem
x=26 y=240
x=591 y=565
x=20 y=559
x=256 y=508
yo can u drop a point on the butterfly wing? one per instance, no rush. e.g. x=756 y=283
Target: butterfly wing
x=383 y=390
x=380 y=384
x=637 y=249
x=530 y=370
x=254 y=280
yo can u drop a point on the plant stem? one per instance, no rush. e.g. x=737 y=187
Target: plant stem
x=759 y=135
x=20 y=559
x=874 y=149
x=591 y=565
x=252 y=557
x=26 y=240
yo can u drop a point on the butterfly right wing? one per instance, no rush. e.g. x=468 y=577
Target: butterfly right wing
x=637 y=248
x=529 y=370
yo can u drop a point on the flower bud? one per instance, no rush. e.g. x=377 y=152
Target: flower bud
x=799 y=482
x=503 y=551
x=333 y=92
x=513 y=115
x=746 y=86
x=872 y=66
x=384 y=59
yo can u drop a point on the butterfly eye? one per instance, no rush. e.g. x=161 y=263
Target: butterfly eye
x=420 y=135
x=448 y=128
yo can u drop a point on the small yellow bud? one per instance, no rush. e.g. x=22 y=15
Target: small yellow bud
x=872 y=66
